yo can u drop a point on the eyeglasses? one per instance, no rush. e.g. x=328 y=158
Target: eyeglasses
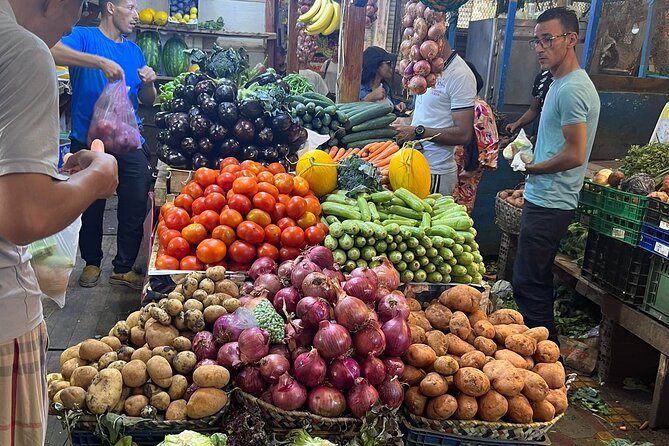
x=545 y=42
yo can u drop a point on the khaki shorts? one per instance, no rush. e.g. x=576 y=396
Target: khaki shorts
x=23 y=393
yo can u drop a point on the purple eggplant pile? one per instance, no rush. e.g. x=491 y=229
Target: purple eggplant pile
x=209 y=120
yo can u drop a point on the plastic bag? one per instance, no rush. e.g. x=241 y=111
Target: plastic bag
x=114 y=121
x=53 y=259
x=519 y=151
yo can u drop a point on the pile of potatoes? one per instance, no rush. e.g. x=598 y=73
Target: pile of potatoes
x=464 y=364
x=145 y=367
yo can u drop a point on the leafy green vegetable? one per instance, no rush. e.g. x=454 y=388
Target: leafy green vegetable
x=298 y=83
x=300 y=437
x=572 y=318
x=357 y=175
x=623 y=442
x=652 y=159
x=270 y=96
x=166 y=90
x=212 y=25
x=190 y=438
x=125 y=441
x=573 y=245
x=221 y=63
x=589 y=399
x=379 y=428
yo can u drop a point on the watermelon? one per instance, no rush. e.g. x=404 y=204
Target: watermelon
x=149 y=43
x=175 y=61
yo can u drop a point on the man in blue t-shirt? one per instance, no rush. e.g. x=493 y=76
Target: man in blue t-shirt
x=97 y=56
x=555 y=177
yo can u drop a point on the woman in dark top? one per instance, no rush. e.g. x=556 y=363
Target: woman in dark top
x=377 y=73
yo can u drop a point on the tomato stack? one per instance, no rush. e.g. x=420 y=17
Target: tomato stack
x=233 y=216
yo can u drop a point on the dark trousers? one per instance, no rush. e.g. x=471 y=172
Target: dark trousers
x=541 y=230
x=134 y=182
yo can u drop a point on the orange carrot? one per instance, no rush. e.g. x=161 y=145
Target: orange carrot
x=355 y=151
x=349 y=152
x=371 y=149
x=333 y=151
x=390 y=150
x=339 y=154
x=382 y=162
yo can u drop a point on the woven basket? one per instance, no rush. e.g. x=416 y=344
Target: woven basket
x=498 y=430
x=444 y=5
x=507 y=216
x=283 y=420
x=485 y=429
x=80 y=420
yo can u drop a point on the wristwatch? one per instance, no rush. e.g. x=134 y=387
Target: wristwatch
x=419 y=130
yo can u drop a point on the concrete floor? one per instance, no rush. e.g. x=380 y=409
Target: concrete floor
x=92 y=312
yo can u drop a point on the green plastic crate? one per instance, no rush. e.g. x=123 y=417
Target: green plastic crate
x=589 y=203
x=623 y=204
x=591 y=194
x=656 y=302
x=618 y=228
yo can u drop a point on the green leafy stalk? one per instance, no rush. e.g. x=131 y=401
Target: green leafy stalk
x=357 y=175
x=652 y=159
x=300 y=437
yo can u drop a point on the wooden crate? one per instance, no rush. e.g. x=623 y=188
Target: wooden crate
x=169 y=182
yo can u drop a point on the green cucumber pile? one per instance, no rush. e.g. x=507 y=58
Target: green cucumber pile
x=318 y=113
x=368 y=122
x=348 y=125
x=430 y=240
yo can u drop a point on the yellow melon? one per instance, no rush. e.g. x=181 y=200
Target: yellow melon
x=409 y=169
x=319 y=170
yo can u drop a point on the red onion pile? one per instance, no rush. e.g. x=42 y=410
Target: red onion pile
x=344 y=338
x=424 y=38
x=306 y=44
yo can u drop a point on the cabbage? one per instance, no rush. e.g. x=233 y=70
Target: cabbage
x=300 y=437
x=190 y=438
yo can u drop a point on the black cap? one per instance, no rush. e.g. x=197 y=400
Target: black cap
x=373 y=56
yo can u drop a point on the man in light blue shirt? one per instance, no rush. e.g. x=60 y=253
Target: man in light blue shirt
x=566 y=134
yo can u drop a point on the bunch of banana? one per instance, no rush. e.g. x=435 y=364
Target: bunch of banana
x=323 y=17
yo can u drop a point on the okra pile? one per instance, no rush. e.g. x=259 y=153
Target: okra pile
x=430 y=240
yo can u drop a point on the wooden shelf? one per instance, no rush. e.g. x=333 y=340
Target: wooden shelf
x=633 y=321
x=207 y=33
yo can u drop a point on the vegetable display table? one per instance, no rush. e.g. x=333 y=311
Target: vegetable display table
x=633 y=321
x=169 y=182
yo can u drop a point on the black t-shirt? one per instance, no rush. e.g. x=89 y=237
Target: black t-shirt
x=542 y=83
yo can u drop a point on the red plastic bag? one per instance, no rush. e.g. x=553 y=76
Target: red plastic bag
x=114 y=120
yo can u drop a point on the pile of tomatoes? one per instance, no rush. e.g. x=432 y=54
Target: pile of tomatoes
x=233 y=216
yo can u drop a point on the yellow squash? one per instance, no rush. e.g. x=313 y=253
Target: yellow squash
x=409 y=169
x=319 y=170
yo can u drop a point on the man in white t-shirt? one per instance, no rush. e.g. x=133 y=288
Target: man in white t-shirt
x=37 y=201
x=444 y=112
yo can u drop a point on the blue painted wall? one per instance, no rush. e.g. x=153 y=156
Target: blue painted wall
x=625 y=119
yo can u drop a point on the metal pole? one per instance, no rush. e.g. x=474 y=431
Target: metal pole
x=452 y=28
x=591 y=34
x=643 y=66
x=506 y=54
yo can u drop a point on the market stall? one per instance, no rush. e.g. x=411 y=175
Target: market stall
x=303 y=280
